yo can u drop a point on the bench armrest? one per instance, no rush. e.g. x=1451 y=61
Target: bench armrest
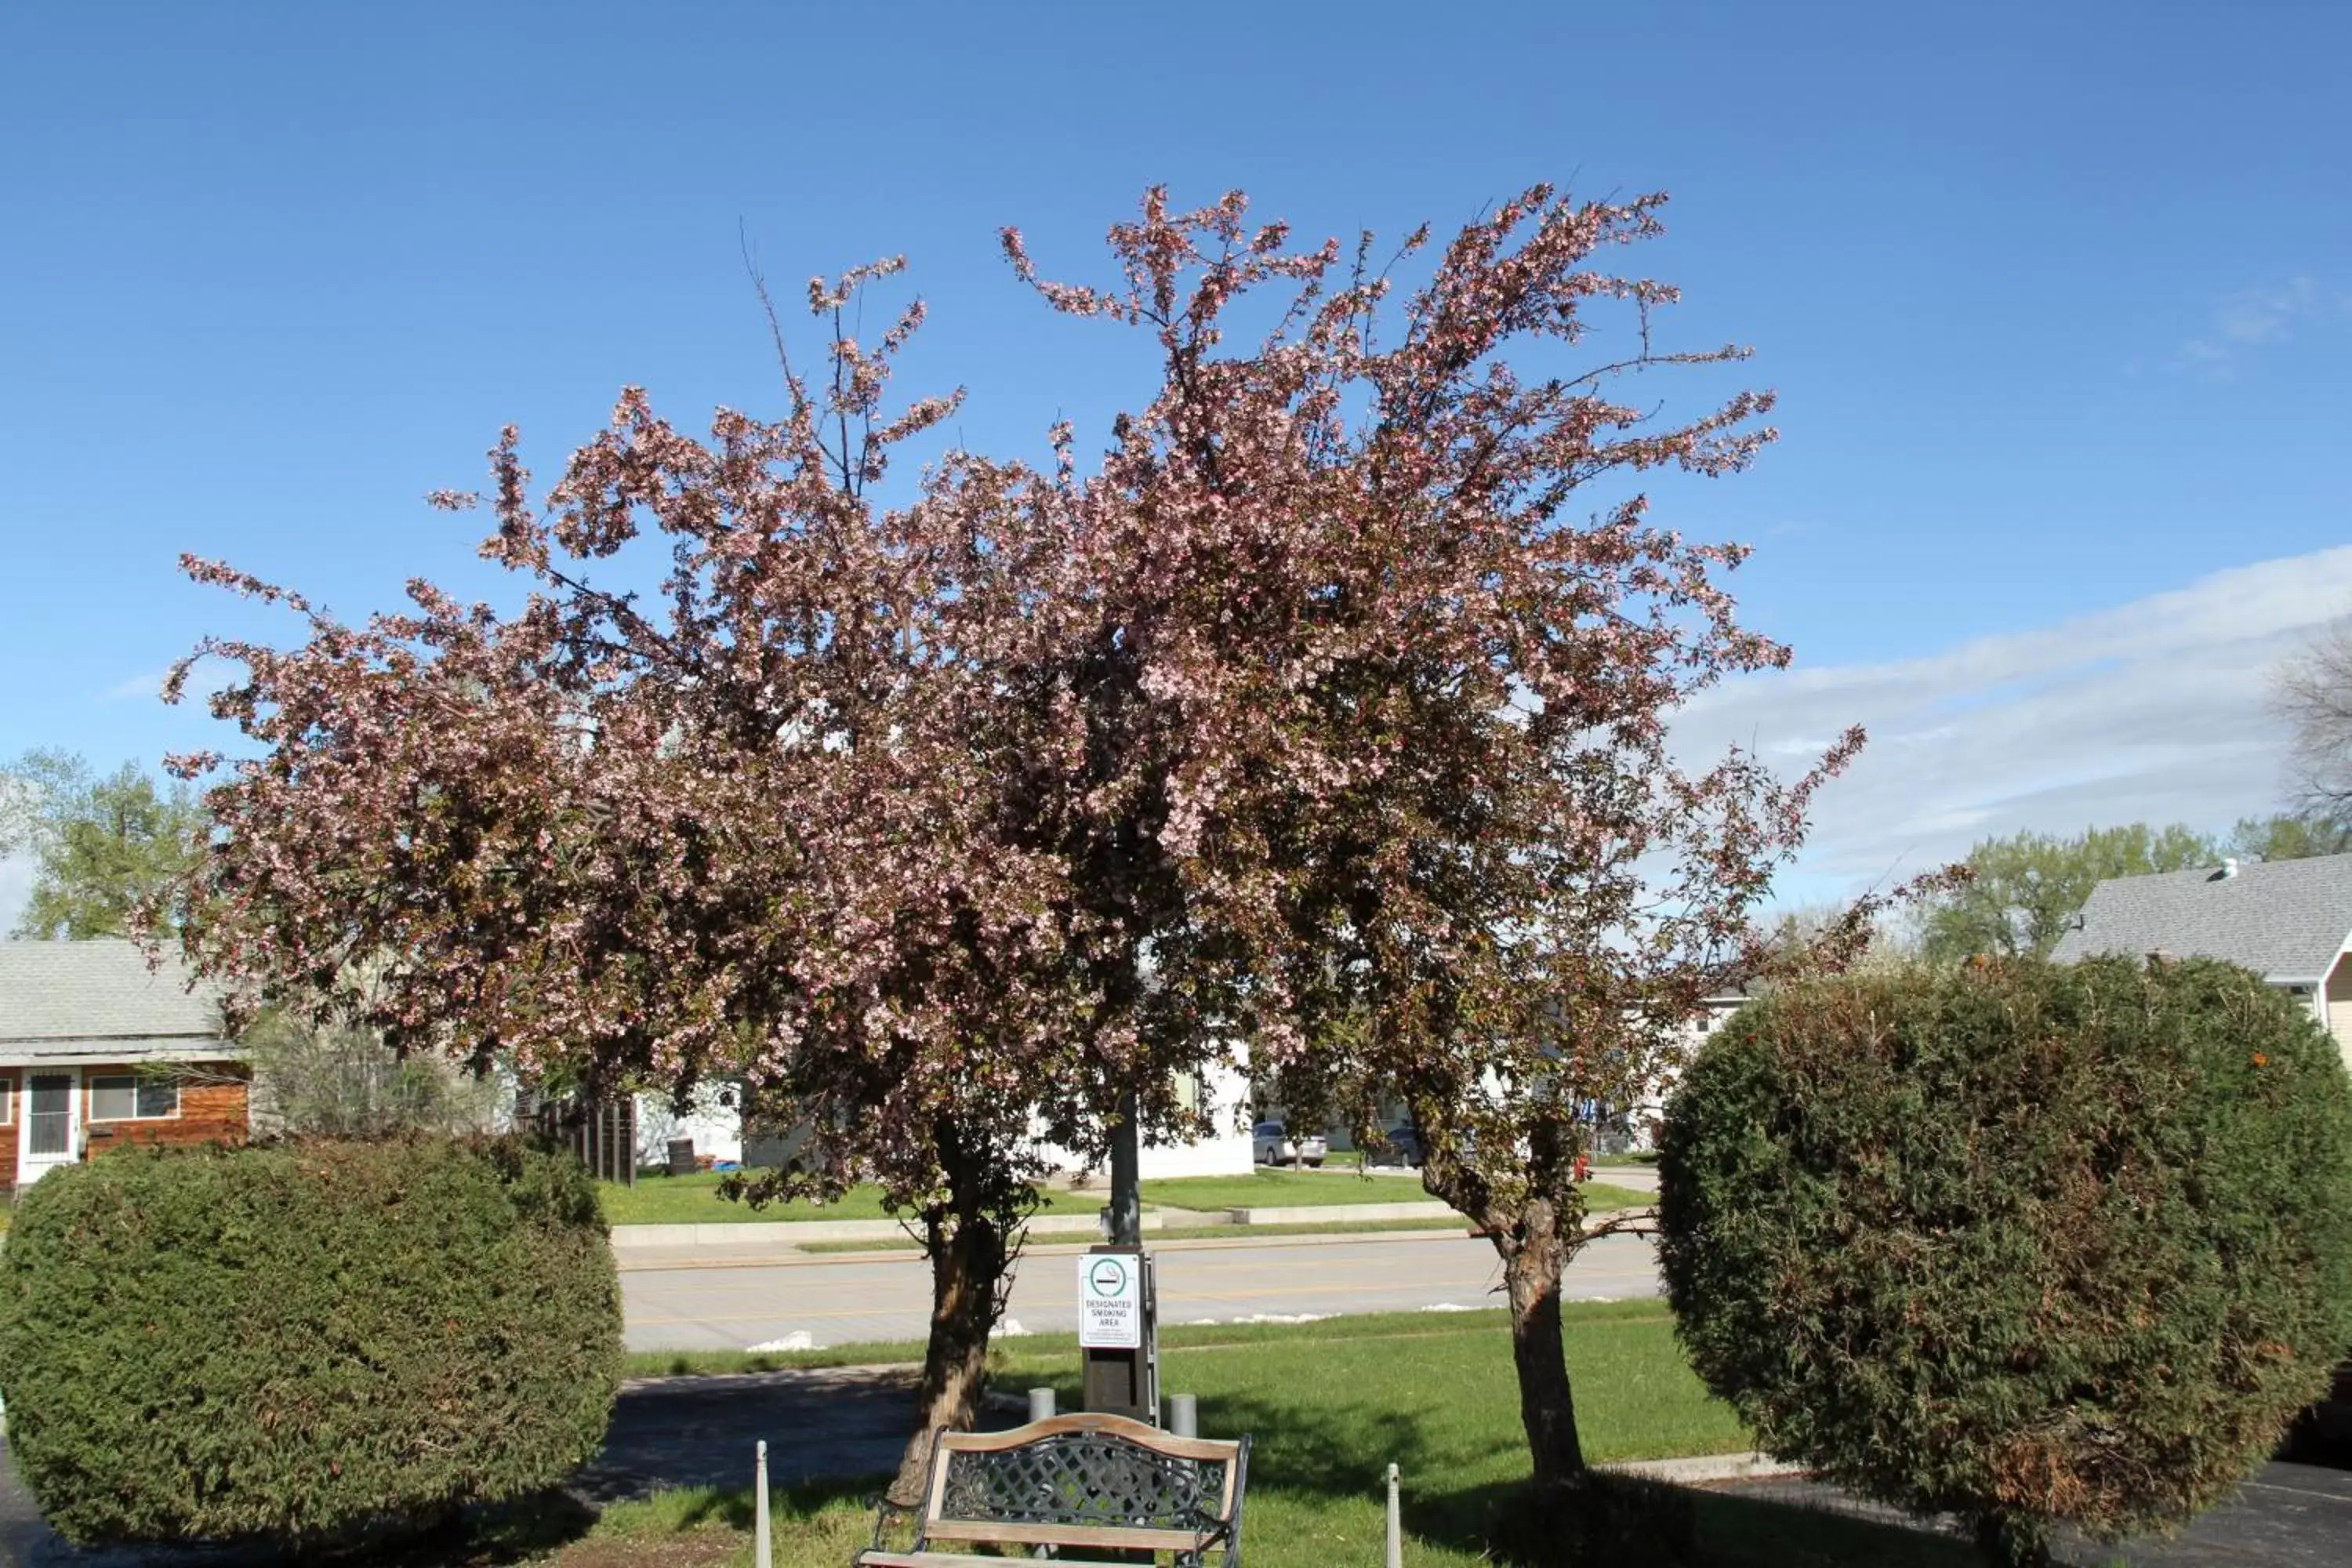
x=1241 y=1497
x=884 y=1510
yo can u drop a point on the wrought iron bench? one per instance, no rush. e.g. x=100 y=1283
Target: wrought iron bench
x=1083 y=1485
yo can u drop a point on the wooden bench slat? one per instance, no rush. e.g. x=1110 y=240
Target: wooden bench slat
x=956 y=1560
x=1215 y=1450
x=1104 y=1487
x=1106 y=1535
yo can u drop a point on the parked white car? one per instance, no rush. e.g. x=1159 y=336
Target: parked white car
x=1271 y=1145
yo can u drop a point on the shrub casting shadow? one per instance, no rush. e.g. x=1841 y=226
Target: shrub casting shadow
x=701 y=1432
x=1618 y=1521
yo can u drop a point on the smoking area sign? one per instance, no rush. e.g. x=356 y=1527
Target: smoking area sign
x=1111 y=1301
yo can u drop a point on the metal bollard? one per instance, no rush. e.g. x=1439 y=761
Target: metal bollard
x=1041 y=1404
x=1184 y=1415
x=1396 y=1524
x=763 y=1551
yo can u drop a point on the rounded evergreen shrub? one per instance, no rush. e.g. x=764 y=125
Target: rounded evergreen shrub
x=2024 y=1242
x=293 y=1342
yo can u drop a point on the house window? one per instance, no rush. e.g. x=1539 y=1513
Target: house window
x=128 y=1098
x=7 y=1100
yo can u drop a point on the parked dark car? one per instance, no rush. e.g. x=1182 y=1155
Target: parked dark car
x=1400 y=1145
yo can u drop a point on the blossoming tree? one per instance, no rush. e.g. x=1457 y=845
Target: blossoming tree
x=1440 y=671
x=1321 y=714
x=805 y=814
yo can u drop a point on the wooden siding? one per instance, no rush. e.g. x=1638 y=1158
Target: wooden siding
x=2339 y=1005
x=213 y=1109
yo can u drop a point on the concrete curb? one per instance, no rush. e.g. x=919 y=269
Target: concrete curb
x=1701 y=1467
x=787 y=1256
x=1339 y=1213
x=796 y=1231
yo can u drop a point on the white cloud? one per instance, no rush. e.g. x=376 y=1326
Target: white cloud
x=2261 y=315
x=2152 y=712
x=206 y=678
x=2256 y=318
x=150 y=685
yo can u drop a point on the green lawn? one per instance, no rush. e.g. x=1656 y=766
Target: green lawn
x=696 y=1200
x=1284 y=1189
x=1329 y=1405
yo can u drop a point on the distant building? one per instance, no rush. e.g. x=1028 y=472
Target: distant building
x=2290 y=922
x=713 y=1121
x=1223 y=1093
x=95 y=1048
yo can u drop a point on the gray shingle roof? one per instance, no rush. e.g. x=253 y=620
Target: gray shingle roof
x=99 y=990
x=2285 y=919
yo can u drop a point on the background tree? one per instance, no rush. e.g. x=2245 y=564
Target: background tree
x=2022 y=890
x=103 y=845
x=2288 y=836
x=2313 y=692
x=1822 y=936
x=337 y=1081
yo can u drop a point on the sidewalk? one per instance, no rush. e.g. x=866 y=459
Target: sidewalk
x=645 y=1247
x=769 y=1252
x=2287 y=1515
x=837 y=1422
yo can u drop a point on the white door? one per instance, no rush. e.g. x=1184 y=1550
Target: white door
x=51 y=1124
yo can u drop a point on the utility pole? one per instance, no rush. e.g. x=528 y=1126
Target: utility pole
x=1118 y=1331
x=1125 y=1214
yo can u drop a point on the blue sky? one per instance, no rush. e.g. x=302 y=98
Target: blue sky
x=2058 y=301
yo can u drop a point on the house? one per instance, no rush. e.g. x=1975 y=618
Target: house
x=1632 y=1126
x=1223 y=1091
x=1641 y=1120
x=97 y=1049
x=716 y=1126
x=711 y=1121
x=2290 y=922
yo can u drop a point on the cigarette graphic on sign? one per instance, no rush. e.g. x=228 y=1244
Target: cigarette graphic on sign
x=1110 y=1302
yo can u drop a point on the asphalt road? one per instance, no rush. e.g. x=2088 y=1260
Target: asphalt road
x=851 y=1301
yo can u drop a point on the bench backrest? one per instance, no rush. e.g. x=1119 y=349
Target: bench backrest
x=1101 y=1482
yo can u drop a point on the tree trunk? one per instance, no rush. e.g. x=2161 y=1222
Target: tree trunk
x=1533 y=1259
x=969 y=1253
x=2013 y=1541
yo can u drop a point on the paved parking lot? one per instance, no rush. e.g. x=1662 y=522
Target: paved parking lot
x=2288 y=1515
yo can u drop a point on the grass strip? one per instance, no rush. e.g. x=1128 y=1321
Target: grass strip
x=1329 y=1405
x=1604 y=1199
x=695 y=1199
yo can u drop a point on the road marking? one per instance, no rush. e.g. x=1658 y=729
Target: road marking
x=2297 y=1491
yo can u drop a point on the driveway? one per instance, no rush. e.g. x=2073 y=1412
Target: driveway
x=2286 y=1516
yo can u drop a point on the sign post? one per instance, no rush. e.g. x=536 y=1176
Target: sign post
x=1118 y=1332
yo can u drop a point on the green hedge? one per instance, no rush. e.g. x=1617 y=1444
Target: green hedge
x=293 y=1342
x=2026 y=1242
